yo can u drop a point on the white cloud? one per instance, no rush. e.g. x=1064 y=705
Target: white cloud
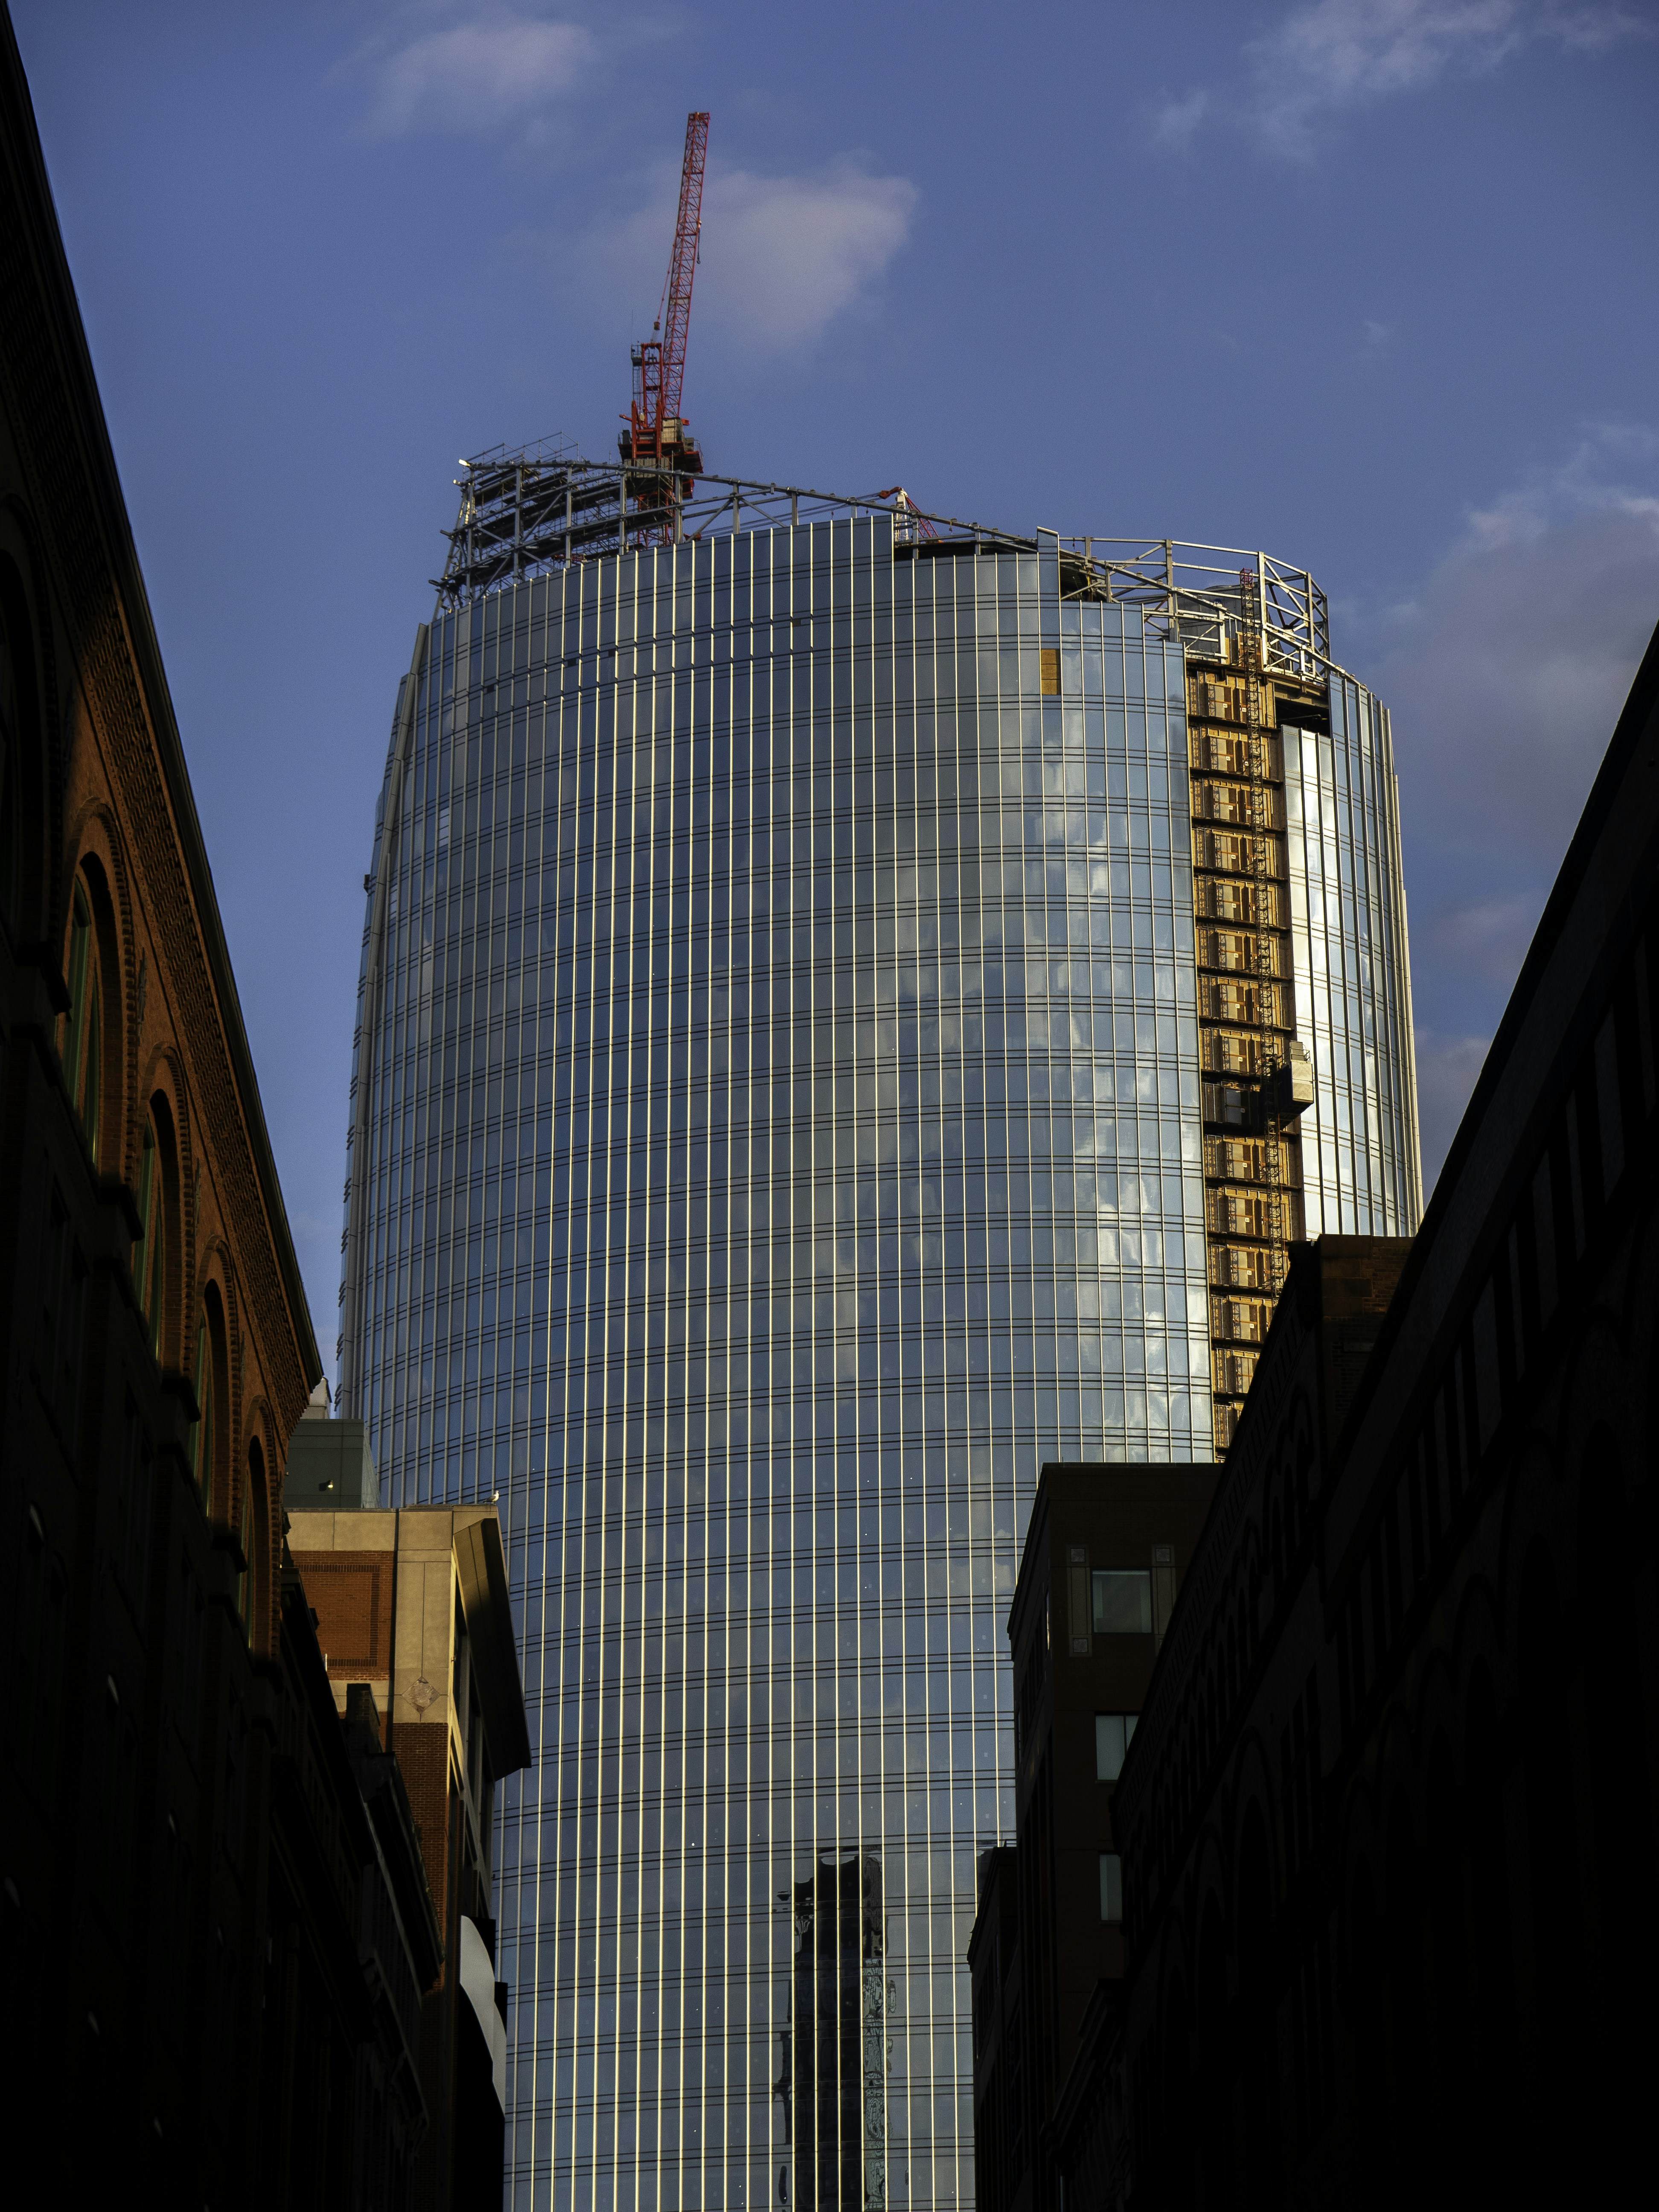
x=1447 y=1068
x=1343 y=54
x=782 y=256
x=1176 y=124
x=1505 y=672
x=496 y=69
x=786 y=255
x=1583 y=484
x=1340 y=54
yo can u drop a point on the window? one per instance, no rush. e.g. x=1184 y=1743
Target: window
x=74 y=1021
x=83 y=1024
x=1076 y=1584
x=92 y=1078
x=1050 y=666
x=150 y=1250
x=1113 y=1734
x=1111 y=1886
x=1123 y=1602
x=255 y=1481
x=201 y=1436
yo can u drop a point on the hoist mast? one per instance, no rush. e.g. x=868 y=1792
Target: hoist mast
x=1257 y=767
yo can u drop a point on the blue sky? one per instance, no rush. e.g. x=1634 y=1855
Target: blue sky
x=1368 y=283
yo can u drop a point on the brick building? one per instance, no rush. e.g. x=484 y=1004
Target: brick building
x=157 y=1344
x=414 y=1619
x=209 y=1927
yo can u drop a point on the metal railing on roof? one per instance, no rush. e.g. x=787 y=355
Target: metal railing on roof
x=527 y=511
x=1194 y=593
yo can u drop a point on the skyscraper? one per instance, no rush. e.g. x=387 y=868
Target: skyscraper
x=826 y=1024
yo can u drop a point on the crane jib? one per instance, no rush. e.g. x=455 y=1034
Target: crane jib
x=675 y=315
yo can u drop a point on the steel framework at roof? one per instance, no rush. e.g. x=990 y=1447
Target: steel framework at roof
x=527 y=511
x=1193 y=592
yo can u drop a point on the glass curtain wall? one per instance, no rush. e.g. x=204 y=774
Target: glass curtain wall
x=776 y=1131
x=1360 y=1141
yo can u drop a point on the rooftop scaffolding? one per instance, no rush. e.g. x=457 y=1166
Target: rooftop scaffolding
x=1192 y=593
x=527 y=511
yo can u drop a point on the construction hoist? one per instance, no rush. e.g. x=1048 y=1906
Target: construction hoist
x=1258 y=766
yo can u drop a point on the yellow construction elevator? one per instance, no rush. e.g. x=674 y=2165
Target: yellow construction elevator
x=1256 y=1079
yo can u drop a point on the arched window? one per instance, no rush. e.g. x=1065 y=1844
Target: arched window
x=252 y=1484
x=83 y=1050
x=90 y=1102
x=155 y=1255
x=202 y=1437
x=149 y=1248
x=209 y=1444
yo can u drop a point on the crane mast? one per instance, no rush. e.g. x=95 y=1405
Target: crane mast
x=658 y=441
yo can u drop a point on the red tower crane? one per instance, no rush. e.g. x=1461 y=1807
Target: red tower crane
x=658 y=434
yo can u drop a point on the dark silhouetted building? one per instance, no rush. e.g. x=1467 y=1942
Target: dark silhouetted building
x=214 y=1941
x=1331 y=1312
x=352 y=1944
x=401 y=1951
x=1104 y=1555
x=1387 y=1821
x=156 y=1337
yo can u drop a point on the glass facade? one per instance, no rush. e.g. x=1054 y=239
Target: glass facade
x=776 y=1129
x=1359 y=1143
